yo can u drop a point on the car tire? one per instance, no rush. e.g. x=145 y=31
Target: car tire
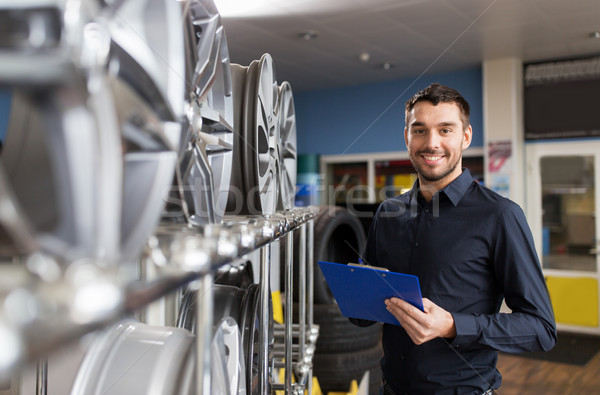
x=338 y=237
x=335 y=372
x=337 y=334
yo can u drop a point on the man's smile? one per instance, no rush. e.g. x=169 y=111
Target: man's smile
x=432 y=159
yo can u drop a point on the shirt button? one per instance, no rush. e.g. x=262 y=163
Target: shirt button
x=427 y=210
x=402 y=357
x=417 y=244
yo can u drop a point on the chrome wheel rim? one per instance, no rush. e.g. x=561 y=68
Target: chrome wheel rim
x=236 y=203
x=262 y=137
x=109 y=112
x=207 y=145
x=146 y=72
x=251 y=339
x=228 y=366
x=118 y=358
x=228 y=369
x=288 y=151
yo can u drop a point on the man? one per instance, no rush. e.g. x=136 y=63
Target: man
x=470 y=248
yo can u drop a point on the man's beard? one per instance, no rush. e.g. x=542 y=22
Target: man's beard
x=433 y=177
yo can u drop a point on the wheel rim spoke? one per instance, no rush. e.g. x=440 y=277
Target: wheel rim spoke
x=211 y=115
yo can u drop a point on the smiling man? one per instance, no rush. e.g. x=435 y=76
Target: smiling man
x=470 y=248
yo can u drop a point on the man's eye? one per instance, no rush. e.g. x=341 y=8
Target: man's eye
x=418 y=131
x=446 y=131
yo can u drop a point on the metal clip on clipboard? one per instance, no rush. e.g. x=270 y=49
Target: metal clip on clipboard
x=383 y=269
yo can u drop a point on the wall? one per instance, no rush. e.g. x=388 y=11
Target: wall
x=359 y=119
x=4 y=111
x=370 y=118
x=503 y=108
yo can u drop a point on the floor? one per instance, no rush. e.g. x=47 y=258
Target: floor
x=530 y=376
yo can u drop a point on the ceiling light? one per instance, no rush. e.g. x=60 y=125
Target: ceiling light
x=387 y=65
x=308 y=35
x=595 y=35
x=364 y=57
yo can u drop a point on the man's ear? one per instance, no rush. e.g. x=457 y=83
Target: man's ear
x=468 y=136
x=406 y=136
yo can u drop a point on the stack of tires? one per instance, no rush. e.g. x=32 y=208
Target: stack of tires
x=344 y=351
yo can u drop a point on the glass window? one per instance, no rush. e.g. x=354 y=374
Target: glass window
x=568 y=213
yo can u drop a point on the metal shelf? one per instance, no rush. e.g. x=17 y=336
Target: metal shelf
x=180 y=255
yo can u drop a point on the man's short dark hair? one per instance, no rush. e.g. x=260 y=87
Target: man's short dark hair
x=436 y=93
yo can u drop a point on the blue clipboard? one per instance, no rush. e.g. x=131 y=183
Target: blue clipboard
x=361 y=291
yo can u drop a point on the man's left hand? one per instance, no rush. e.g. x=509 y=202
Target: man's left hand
x=422 y=326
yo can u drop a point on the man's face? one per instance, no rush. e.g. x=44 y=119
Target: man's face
x=435 y=138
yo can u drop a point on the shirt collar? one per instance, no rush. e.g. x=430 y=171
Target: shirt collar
x=457 y=188
x=454 y=191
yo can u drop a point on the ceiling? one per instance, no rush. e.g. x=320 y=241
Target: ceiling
x=416 y=36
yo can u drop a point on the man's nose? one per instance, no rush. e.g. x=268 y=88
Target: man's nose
x=433 y=140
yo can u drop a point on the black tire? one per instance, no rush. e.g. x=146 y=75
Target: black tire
x=339 y=237
x=337 y=334
x=335 y=372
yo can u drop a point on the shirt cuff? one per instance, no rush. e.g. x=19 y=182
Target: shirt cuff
x=467 y=329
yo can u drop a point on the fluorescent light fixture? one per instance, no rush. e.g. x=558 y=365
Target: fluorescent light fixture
x=244 y=8
x=256 y=8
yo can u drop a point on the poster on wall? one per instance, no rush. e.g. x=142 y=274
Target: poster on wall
x=500 y=166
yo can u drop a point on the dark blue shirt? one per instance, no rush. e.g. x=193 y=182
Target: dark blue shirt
x=470 y=248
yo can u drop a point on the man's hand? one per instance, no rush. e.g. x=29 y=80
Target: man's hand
x=422 y=326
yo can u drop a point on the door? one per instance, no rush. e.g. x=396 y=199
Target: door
x=561 y=207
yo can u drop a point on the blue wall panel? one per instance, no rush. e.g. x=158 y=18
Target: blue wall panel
x=5 y=95
x=370 y=118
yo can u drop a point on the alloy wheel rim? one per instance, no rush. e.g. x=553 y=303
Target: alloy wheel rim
x=287 y=147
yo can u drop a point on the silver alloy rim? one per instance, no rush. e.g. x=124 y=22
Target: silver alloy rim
x=287 y=147
x=107 y=123
x=146 y=82
x=228 y=367
x=207 y=145
x=251 y=338
x=262 y=137
x=63 y=145
x=237 y=201
x=118 y=358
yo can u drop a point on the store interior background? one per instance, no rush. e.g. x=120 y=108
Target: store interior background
x=354 y=63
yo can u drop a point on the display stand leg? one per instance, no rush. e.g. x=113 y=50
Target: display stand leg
x=289 y=318
x=265 y=260
x=204 y=318
x=302 y=290
x=41 y=385
x=310 y=267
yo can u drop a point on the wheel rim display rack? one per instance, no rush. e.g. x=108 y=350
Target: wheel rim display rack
x=54 y=324
x=124 y=114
